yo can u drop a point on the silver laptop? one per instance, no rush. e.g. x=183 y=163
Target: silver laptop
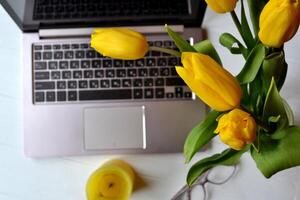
x=77 y=102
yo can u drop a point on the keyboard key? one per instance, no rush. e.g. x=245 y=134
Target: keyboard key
x=158 y=43
x=164 y=71
x=84 y=46
x=41 y=75
x=159 y=82
x=79 y=54
x=38 y=47
x=170 y=95
x=47 y=47
x=75 y=46
x=63 y=64
x=137 y=93
x=58 y=55
x=104 y=84
x=83 y=84
x=159 y=93
x=85 y=64
x=90 y=54
x=188 y=95
x=126 y=83
x=110 y=73
x=61 y=96
x=173 y=61
x=37 y=56
x=65 y=46
x=72 y=84
x=140 y=62
x=66 y=75
x=56 y=46
x=99 y=73
x=148 y=93
x=47 y=55
x=61 y=84
x=69 y=55
x=94 y=84
x=118 y=63
x=153 y=72
x=105 y=94
x=74 y=64
x=77 y=74
x=52 y=65
x=96 y=64
x=173 y=71
x=40 y=65
x=155 y=53
x=148 y=82
x=121 y=73
x=72 y=96
x=107 y=63
x=174 y=82
x=131 y=72
x=143 y=72
x=55 y=75
x=161 y=62
x=88 y=74
x=150 y=62
x=167 y=44
x=178 y=92
x=39 y=97
x=129 y=63
x=50 y=96
x=116 y=83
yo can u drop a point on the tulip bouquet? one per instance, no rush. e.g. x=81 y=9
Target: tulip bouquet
x=247 y=112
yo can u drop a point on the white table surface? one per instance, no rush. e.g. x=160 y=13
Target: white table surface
x=23 y=178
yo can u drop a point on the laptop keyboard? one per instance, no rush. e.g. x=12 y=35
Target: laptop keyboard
x=75 y=72
x=73 y=9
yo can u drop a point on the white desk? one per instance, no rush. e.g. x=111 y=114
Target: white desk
x=24 y=178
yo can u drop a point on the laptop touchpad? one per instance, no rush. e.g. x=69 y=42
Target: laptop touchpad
x=114 y=128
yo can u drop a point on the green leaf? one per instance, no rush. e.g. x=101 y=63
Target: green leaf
x=207 y=48
x=227 y=157
x=274 y=65
x=255 y=90
x=200 y=135
x=277 y=155
x=273 y=106
x=252 y=64
x=233 y=44
x=247 y=35
x=274 y=119
x=255 y=8
x=289 y=112
x=181 y=43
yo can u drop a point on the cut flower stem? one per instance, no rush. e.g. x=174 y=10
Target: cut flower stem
x=165 y=50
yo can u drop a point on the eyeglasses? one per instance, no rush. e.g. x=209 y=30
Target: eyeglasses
x=217 y=176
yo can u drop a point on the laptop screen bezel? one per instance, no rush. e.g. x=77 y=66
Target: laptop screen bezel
x=27 y=24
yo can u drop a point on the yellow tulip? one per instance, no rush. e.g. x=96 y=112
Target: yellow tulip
x=279 y=22
x=221 y=6
x=212 y=84
x=119 y=43
x=236 y=129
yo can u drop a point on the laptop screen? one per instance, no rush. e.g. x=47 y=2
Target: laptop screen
x=32 y=15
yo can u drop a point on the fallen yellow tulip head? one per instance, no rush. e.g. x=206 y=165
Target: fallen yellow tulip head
x=119 y=43
x=279 y=22
x=221 y=6
x=236 y=129
x=212 y=84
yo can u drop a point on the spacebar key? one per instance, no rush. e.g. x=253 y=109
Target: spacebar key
x=104 y=94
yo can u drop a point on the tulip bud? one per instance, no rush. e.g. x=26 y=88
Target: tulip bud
x=119 y=43
x=279 y=22
x=221 y=6
x=236 y=129
x=212 y=84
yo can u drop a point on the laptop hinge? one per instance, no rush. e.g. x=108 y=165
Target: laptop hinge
x=86 y=32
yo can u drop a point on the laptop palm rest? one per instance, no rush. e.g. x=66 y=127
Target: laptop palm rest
x=114 y=128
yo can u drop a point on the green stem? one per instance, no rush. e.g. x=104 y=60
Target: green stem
x=164 y=50
x=238 y=26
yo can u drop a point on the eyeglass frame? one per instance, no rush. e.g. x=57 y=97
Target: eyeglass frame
x=202 y=180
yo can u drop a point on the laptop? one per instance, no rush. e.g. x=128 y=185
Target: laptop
x=77 y=102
